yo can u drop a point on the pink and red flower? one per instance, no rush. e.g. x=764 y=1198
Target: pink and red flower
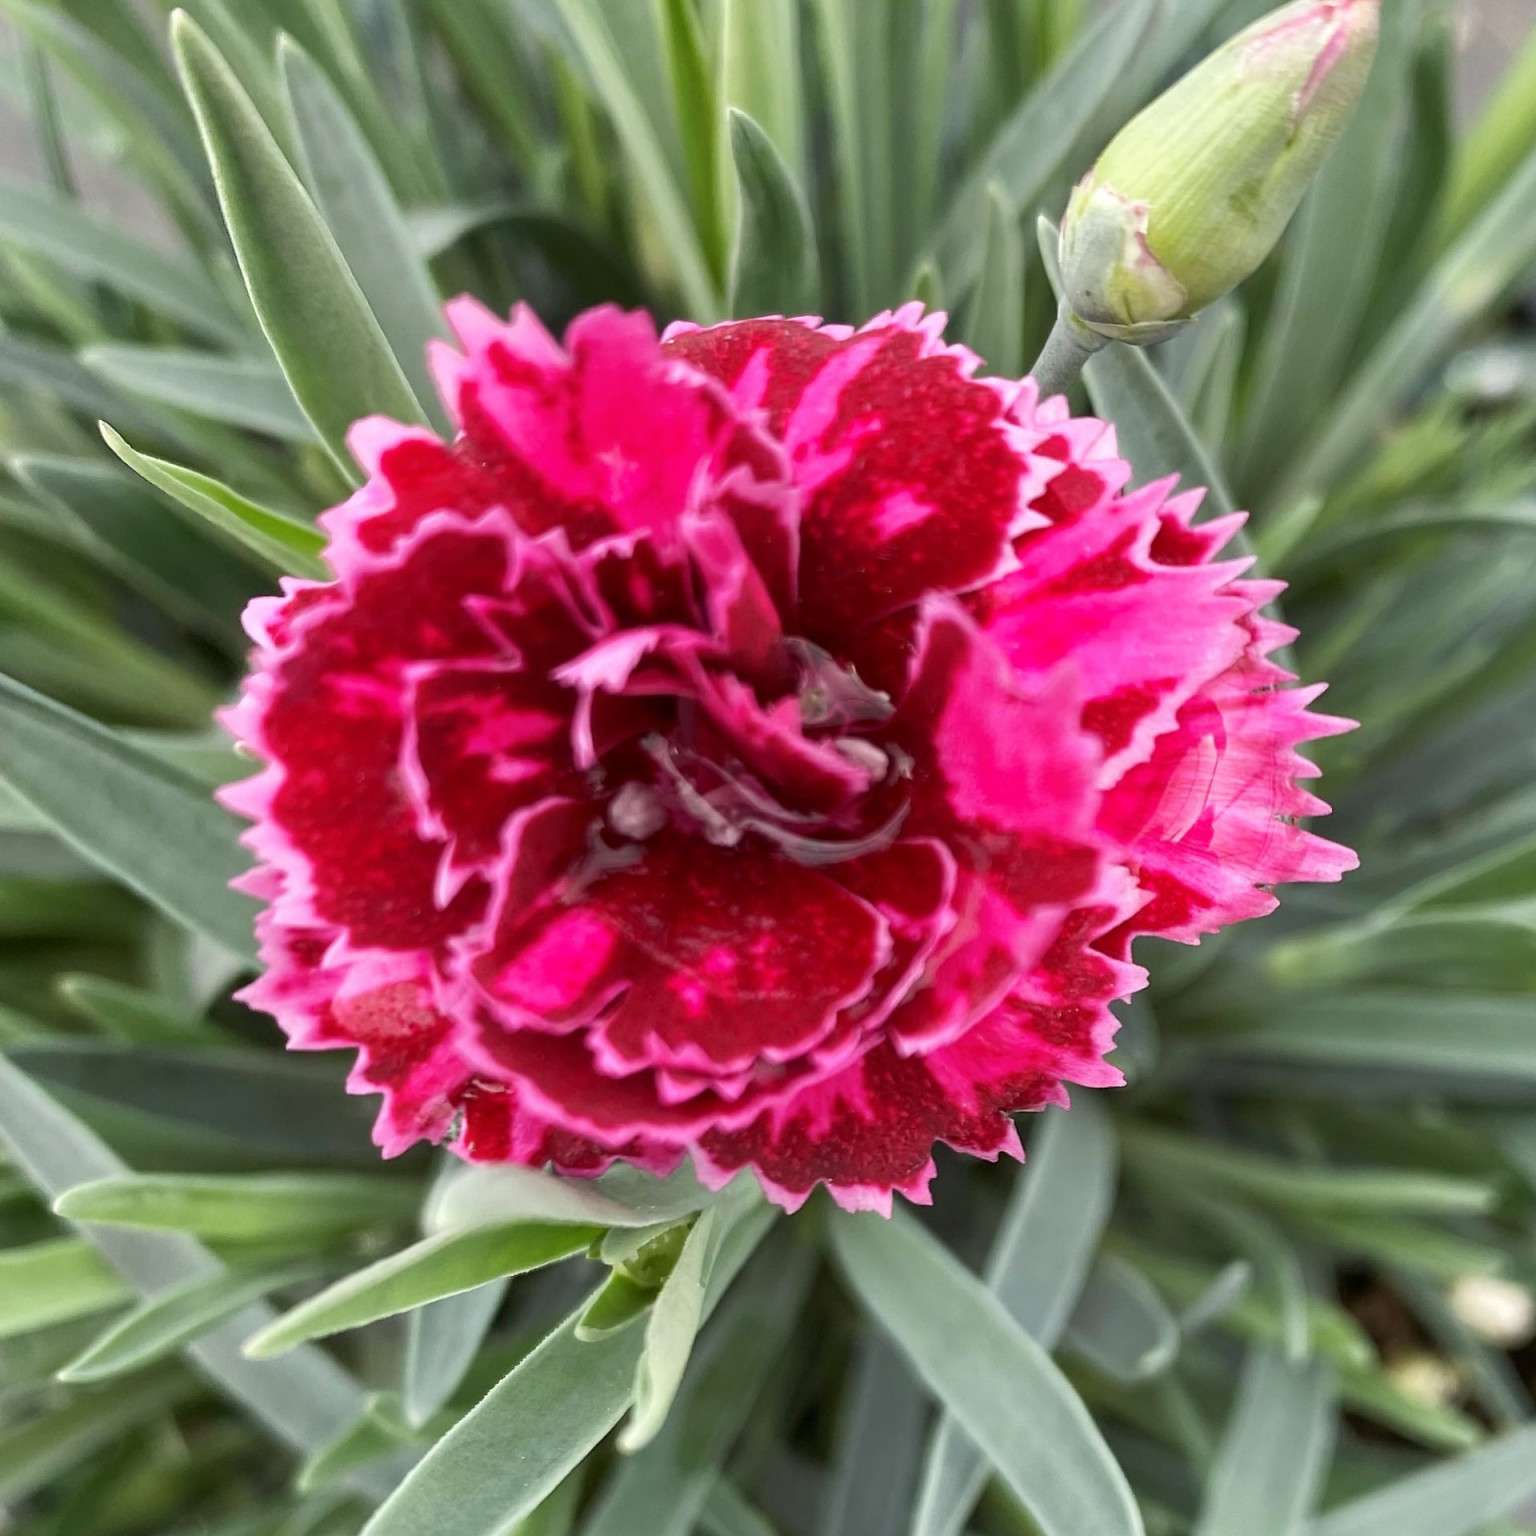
x=763 y=744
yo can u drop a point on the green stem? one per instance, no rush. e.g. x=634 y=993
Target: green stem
x=1067 y=349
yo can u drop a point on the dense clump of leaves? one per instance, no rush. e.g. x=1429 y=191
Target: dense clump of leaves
x=1194 y=1310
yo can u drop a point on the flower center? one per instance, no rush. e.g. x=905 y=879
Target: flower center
x=723 y=780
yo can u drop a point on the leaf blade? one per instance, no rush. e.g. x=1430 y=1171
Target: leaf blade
x=128 y=813
x=555 y=1406
x=164 y=1323
x=281 y=542
x=999 y=1384
x=64 y=234
x=1038 y=1266
x=355 y=199
x=326 y=339
x=1451 y=1499
x=774 y=262
x=1269 y=1469
x=302 y=1402
x=446 y=1265
x=246 y=392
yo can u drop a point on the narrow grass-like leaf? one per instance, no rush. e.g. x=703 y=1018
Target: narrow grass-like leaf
x=1204 y=380
x=243 y=1207
x=244 y=38
x=281 y=542
x=157 y=138
x=999 y=1384
x=995 y=327
x=26 y=363
x=1334 y=1332
x=62 y=233
x=1422 y=170
x=326 y=339
x=663 y=1489
x=169 y=1320
x=303 y=1401
x=1454 y=1498
x=700 y=125
x=1378 y=537
x=1218 y=1298
x=761 y=39
x=55 y=631
x=1472 y=276
x=928 y=121
x=1467 y=1035
x=378 y=1433
x=1274 y=1181
x=727 y=1513
x=442 y=1339
x=1039 y=1263
x=64 y=909
x=131 y=1014
x=354 y=197
x=53 y=1282
x=247 y=392
x=1029 y=149
x=653 y=173
x=139 y=538
x=1415 y=1245
x=884 y=1413
x=592 y=269
x=36 y=1451
x=230 y=1106
x=838 y=56
x=426 y=1271
x=619 y=1303
x=504 y=1193
x=1274 y=1260
x=558 y=1403
x=774 y=263
x=1121 y=1325
x=1440 y=1427
x=47 y=121
x=128 y=813
x=669 y=1334
x=879 y=35
x=1275 y=1451
x=1155 y=436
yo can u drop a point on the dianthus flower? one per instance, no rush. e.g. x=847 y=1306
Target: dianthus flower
x=762 y=744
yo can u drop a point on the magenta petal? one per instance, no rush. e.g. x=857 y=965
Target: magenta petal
x=482 y=740
x=716 y=962
x=1210 y=816
x=913 y=476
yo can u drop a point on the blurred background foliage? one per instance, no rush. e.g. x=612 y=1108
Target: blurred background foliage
x=1288 y=1270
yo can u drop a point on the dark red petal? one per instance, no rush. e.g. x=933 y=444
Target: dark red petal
x=1141 y=637
x=871 y=1129
x=914 y=478
x=333 y=724
x=483 y=740
x=717 y=959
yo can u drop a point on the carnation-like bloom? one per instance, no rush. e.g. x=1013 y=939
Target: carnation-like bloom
x=762 y=744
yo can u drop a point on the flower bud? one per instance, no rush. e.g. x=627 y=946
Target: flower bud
x=1498 y=1311
x=1193 y=193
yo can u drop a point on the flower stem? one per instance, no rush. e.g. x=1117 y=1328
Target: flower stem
x=1067 y=349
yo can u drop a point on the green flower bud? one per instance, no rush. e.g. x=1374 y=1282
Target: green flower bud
x=1193 y=193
